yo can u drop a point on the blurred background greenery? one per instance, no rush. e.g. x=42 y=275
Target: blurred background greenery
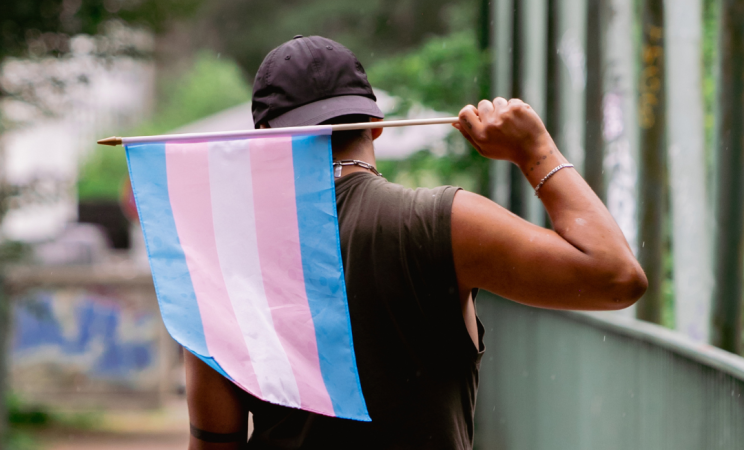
x=426 y=53
x=432 y=58
x=430 y=53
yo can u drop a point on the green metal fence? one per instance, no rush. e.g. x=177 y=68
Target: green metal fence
x=574 y=381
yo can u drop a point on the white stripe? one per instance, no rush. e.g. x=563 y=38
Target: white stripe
x=235 y=233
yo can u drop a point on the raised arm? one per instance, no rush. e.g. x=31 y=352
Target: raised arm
x=584 y=264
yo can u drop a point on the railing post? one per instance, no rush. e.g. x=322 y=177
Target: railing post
x=533 y=33
x=691 y=237
x=570 y=43
x=516 y=182
x=593 y=139
x=620 y=121
x=729 y=266
x=502 y=33
x=652 y=117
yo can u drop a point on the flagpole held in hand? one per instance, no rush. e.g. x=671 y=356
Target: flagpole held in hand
x=115 y=140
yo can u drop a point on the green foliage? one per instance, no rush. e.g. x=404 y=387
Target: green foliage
x=211 y=85
x=374 y=29
x=442 y=74
x=21 y=440
x=424 y=169
x=14 y=251
x=54 y=21
x=22 y=418
x=102 y=175
x=26 y=418
x=21 y=414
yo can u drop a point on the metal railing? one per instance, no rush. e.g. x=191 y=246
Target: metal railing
x=574 y=381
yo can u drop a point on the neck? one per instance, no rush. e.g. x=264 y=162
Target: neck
x=362 y=150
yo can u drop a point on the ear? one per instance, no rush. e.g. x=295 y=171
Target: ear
x=376 y=132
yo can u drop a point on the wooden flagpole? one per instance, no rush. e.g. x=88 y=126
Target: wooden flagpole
x=115 y=140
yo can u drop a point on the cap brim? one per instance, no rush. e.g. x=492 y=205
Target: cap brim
x=318 y=112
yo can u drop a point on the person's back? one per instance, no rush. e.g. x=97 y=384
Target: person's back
x=417 y=364
x=413 y=261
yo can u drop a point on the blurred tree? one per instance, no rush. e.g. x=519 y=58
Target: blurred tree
x=209 y=86
x=729 y=259
x=43 y=28
x=653 y=183
x=442 y=74
x=248 y=29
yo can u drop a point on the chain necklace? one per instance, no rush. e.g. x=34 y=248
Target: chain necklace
x=337 y=165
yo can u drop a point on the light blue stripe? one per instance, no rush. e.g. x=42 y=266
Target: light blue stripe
x=324 y=275
x=176 y=297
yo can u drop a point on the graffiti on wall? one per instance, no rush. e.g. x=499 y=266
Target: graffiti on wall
x=82 y=337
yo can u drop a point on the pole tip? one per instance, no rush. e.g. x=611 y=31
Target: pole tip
x=112 y=141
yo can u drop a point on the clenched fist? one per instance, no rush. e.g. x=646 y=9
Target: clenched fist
x=501 y=129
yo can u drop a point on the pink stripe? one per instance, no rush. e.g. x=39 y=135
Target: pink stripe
x=281 y=266
x=188 y=188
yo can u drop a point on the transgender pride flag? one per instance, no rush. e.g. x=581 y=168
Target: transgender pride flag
x=243 y=242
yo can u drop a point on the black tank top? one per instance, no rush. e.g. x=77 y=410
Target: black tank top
x=417 y=364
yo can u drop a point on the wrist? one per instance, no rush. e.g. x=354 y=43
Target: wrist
x=535 y=153
x=540 y=161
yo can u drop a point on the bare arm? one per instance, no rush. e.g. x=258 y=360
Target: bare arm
x=216 y=406
x=584 y=264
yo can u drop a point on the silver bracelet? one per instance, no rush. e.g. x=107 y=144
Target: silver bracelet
x=550 y=174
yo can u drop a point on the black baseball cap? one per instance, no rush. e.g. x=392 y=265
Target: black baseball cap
x=308 y=81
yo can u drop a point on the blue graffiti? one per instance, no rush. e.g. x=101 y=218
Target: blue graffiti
x=96 y=332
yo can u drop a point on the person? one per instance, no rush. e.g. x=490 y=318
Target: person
x=413 y=262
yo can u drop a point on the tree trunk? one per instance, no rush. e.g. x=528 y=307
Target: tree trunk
x=593 y=139
x=727 y=309
x=652 y=107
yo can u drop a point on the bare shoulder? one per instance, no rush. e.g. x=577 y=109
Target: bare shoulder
x=487 y=237
x=496 y=250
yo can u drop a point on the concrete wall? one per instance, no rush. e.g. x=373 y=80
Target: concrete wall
x=89 y=337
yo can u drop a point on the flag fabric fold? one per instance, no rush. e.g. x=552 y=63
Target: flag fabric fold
x=242 y=238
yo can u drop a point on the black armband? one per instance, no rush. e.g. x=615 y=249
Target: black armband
x=219 y=438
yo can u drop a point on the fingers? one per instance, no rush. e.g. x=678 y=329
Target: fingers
x=466 y=135
x=469 y=119
x=516 y=103
x=485 y=108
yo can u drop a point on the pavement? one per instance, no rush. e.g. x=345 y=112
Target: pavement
x=161 y=429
